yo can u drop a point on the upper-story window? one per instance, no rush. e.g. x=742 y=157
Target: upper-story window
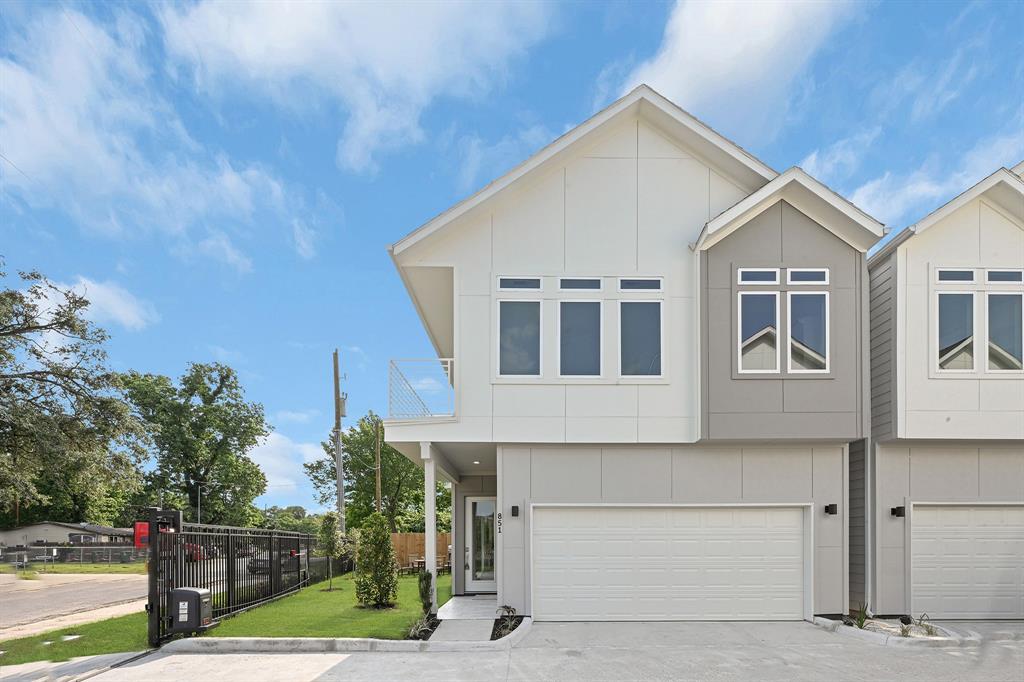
x=519 y=338
x=958 y=325
x=519 y=283
x=640 y=338
x=640 y=284
x=579 y=338
x=803 y=303
x=579 y=284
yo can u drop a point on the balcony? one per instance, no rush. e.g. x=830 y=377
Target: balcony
x=421 y=388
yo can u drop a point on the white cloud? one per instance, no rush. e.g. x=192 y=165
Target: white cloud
x=219 y=247
x=480 y=161
x=81 y=119
x=383 y=63
x=735 y=63
x=841 y=159
x=110 y=302
x=897 y=199
x=296 y=416
x=281 y=460
x=304 y=238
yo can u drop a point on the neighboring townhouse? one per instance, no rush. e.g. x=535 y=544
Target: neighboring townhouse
x=651 y=357
x=939 y=492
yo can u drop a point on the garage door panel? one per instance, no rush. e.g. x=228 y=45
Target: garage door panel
x=968 y=562
x=669 y=564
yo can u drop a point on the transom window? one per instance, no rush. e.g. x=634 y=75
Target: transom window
x=519 y=283
x=791 y=318
x=640 y=284
x=975 y=307
x=580 y=284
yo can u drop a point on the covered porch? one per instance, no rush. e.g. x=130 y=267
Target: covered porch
x=471 y=469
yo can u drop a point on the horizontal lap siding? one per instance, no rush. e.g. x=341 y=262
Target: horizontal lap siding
x=883 y=315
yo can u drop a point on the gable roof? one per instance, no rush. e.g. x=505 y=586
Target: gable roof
x=1004 y=187
x=82 y=527
x=693 y=132
x=811 y=197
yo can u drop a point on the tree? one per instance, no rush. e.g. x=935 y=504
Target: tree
x=401 y=481
x=293 y=518
x=328 y=543
x=376 y=569
x=67 y=437
x=202 y=430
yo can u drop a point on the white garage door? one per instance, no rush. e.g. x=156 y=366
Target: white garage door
x=967 y=562
x=668 y=563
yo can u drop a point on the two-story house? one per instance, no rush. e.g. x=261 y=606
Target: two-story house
x=940 y=493
x=652 y=354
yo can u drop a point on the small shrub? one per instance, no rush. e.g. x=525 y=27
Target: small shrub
x=423 y=628
x=329 y=543
x=506 y=622
x=905 y=630
x=376 y=570
x=426 y=593
x=862 y=616
x=928 y=628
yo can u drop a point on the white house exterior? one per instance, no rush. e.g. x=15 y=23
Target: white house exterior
x=579 y=404
x=944 y=476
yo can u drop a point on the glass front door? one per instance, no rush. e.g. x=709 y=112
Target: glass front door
x=480 y=567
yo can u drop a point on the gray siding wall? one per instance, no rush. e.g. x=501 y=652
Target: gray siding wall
x=858 y=519
x=783 y=406
x=689 y=474
x=469 y=486
x=883 y=350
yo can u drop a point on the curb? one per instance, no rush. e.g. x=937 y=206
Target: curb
x=883 y=639
x=315 y=645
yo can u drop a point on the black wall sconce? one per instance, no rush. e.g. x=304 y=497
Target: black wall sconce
x=898 y=512
x=515 y=510
x=832 y=509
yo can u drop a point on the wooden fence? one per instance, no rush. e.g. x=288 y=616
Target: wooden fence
x=414 y=544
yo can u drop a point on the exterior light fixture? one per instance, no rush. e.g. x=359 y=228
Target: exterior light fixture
x=475 y=461
x=898 y=512
x=832 y=509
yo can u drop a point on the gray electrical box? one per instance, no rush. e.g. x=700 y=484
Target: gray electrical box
x=190 y=609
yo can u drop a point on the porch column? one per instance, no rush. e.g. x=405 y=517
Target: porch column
x=430 y=518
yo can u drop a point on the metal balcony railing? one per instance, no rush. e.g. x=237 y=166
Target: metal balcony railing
x=421 y=388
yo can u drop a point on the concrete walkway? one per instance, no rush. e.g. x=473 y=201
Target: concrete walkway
x=466 y=619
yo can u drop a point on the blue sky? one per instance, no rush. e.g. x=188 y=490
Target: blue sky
x=223 y=179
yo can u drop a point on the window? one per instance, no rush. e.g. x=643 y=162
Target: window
x=519 y=283
x=579 y=283
x=1005 y=327
x=1005 y=276
x=579 y=338
x=956 y=275
x=653 y=284
x=808 y=332
x=758 y=276
x=956 y=331
x=640 y=338
x=519 y=338
x=807 y=275
x=758 y=326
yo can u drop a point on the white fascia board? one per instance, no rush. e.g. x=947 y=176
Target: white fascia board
x=628 y=102
x=1001 y=176
x=864 y=230
x=1019 y=169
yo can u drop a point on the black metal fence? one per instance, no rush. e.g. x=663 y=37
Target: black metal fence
x=242 y=567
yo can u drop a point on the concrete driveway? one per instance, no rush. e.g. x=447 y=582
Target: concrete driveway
x=627 y=651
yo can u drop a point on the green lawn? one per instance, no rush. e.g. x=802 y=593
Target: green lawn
x=125 y=633
x=311 y=612
x=314 y=612
x=118 y=568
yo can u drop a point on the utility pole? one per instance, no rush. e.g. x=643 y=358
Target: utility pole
x=339 y=412
x=376 y=429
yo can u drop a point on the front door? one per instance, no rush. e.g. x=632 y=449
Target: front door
x=480 y=544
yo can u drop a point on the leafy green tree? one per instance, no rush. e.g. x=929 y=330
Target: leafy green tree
x=376 y=568
x=401 y=481
x=202 y=429
x=67 y=438
x=293 y=518
x=328 y=543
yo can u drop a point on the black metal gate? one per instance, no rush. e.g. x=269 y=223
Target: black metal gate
x=242 y=567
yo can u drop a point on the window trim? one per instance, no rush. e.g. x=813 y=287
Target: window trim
x=600 y=332
x=540 y=339
x=934 y=342
x=739 y=332
x=659 y=280
x=822 y=283
x=1017 y=283
x=776 y=282
x=956 y=282
x=789 y=333
x=988 y=295
x=539 y=287
x=599 y=280
x=661 y=340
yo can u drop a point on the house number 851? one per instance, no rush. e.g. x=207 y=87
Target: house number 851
x=499 y=522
